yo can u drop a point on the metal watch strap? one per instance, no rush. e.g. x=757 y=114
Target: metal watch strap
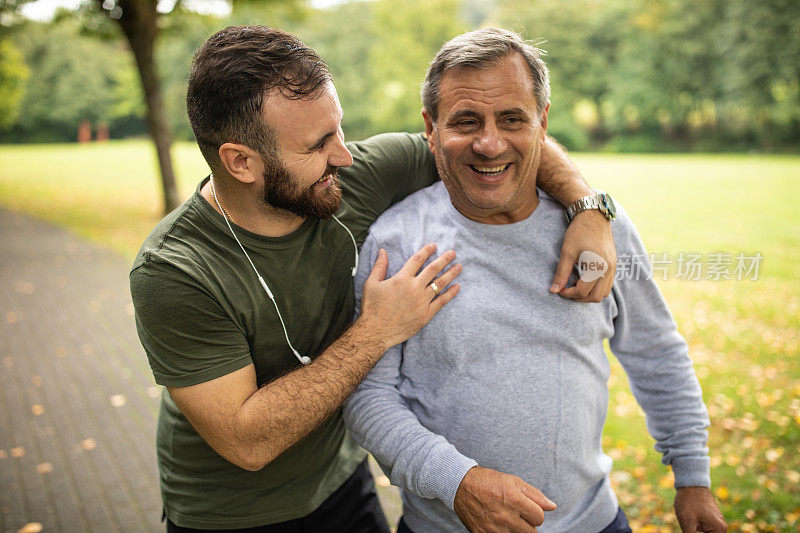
x=582 y=204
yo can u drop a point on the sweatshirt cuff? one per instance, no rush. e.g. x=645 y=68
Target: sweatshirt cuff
x=692 y=472
x=445 y=473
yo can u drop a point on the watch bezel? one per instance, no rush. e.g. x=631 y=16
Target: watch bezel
x=607 y=206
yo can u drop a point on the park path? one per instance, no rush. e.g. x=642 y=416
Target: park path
x=78 y=404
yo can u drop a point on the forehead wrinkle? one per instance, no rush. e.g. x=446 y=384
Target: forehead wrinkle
x=472 y=100
x=508 y=80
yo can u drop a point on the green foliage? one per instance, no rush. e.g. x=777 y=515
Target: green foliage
x=347 y=59
x=73 y=79
x=13 y=73
x=406 y=41
x=627 y=75
x=713 y=74
x=378 y=55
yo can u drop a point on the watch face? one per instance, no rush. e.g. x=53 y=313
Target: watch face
x=609 y=206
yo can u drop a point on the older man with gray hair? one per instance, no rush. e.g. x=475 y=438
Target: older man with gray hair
x=491 y=417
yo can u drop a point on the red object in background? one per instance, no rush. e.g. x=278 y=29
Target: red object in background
x=85 y=132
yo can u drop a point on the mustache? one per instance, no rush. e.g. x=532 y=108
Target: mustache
x=331 y=171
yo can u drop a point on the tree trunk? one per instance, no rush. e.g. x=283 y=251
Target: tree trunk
x=138 y=20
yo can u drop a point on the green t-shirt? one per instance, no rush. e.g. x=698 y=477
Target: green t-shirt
x=201 y=314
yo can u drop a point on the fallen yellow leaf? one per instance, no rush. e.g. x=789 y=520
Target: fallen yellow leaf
x=732 y=460
x=44 y=468
x=722 y=492
x=771 y=485
x=774 y=454
x=32 y=527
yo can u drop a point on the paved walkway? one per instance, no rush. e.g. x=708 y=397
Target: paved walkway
x=78 y=404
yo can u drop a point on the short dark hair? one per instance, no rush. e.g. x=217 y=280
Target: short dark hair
x=479 y=49
x=231 y=73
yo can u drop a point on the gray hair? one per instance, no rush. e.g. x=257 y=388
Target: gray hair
x=479 y=49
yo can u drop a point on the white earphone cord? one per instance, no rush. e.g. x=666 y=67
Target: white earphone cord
x=355 y=246
x=304 y=359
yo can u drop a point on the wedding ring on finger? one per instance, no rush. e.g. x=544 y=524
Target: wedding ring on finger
x=435 y=287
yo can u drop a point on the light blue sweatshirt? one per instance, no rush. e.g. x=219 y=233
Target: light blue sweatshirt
x=513 y=378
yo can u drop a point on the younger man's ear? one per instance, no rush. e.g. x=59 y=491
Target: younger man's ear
x=240 y=162
x=429 y=130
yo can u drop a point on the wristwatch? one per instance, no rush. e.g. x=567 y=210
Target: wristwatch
x=601 y=201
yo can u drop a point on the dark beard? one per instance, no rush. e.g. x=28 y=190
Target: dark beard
x=281 y=192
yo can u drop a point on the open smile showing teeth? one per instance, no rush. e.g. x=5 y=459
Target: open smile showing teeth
x=490 y=170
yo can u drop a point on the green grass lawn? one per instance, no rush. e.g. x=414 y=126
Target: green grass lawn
x=744 y=335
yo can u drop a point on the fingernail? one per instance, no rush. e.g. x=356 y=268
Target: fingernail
x=451 y=253
x=554 y=287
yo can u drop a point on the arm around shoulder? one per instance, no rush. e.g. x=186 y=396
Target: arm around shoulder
x=589 y=230
x=251 y=426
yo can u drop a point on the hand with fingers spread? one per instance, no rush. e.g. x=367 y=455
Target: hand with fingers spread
x=398 y=307
x=491 y=501
x=589 y=230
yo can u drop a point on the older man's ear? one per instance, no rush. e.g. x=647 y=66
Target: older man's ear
x=429 y=124
x=543 y=122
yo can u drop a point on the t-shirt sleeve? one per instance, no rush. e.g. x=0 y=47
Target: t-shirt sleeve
x=187 y=335
x=386 y=168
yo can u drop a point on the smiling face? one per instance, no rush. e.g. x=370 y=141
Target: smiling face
x=488 y=139
x=311 y=148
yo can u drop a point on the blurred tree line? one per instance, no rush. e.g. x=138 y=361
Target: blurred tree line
x=627 y=75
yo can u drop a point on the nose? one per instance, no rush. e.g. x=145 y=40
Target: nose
x=340 y=156
x=489 y=142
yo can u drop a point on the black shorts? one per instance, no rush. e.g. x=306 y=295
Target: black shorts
x=353 y=508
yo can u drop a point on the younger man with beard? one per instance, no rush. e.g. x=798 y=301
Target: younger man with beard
x=250 y=280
